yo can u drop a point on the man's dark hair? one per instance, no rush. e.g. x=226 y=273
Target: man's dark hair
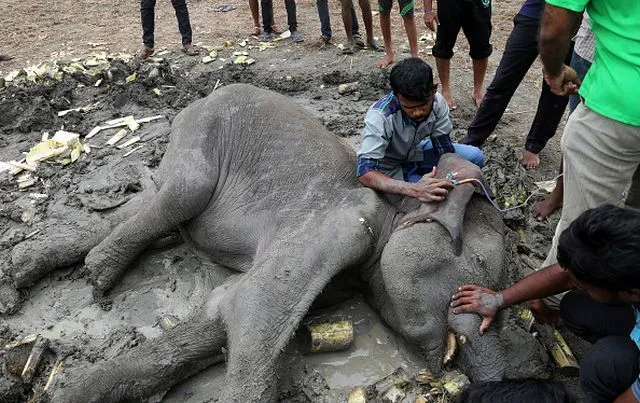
x=512 y=391
x=602 y=248
x=413 y=79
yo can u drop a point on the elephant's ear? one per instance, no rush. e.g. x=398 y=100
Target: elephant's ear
x=450 y=212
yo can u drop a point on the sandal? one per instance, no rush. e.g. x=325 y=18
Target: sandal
x=145 y=52
x=357 y=39
x=191 y=50
x=256 y=31
x=375 y=46
x=349 y=49
x=276 y=29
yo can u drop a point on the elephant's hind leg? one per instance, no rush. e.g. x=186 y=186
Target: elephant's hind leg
x=151 y=368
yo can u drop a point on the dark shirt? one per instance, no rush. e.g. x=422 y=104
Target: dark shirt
x=532 y=8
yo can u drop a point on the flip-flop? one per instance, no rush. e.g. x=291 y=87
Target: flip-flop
x=276 y=29
x=256 y=31
x=375 y=46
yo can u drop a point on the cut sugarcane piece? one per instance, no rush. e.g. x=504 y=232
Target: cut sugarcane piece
x=562 y=355
x=331 y=336
x=37 y=351
x=357 y=395
x=129 y=142
x=117 y=137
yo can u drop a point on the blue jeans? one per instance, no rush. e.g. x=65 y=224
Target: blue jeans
x=413 y=171
x=581 y=66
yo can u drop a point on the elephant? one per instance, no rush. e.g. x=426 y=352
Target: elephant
x=255 y=183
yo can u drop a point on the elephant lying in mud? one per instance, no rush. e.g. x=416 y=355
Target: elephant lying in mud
x=257 y=184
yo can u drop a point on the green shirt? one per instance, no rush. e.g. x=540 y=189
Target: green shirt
x=612 y=85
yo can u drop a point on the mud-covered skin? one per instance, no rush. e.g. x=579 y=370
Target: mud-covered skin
x=254 y=182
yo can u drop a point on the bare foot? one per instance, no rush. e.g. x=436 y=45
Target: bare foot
x=385 y=61
x=477 y=97
x=545 y=208
x=530 y=160
x=450 y=101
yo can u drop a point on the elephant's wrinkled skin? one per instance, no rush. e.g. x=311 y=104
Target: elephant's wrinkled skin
x=254 y=182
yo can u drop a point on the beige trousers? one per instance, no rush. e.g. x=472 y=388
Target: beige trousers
x=601 y=158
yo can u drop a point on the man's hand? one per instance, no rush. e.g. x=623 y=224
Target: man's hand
x=430 y=20
x=472 y=298
x=565 y=83
x=429 y=188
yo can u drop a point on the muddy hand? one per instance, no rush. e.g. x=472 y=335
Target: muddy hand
x=430 y=189
x=565 y=83
x=472 y=298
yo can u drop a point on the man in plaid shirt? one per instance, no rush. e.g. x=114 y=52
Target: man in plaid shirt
x=405 y=134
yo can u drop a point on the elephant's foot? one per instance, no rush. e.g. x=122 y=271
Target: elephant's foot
x=9 y=299
x=149 y=369
x=105 y=266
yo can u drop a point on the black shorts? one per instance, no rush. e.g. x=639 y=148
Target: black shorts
x=474 y=17
x=406 y=7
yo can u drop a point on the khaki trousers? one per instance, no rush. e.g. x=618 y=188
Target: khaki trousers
x=601 y=158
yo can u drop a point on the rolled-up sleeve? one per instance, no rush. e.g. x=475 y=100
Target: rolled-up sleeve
x=375 y=140
x=441 y=133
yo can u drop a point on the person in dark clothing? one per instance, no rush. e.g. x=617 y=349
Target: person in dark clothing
x=474 y=18
x=325 y=23
x=147 y=13
x=520 y=52
x=267 y=18
x=598 y=257
x=521 y=390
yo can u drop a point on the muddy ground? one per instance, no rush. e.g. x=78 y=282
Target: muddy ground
x=172 y=281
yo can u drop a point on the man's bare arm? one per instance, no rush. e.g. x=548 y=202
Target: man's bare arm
x=544 y=283
x=557 y=27
x=428 y=189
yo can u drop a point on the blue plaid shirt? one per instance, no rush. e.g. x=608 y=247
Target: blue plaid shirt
x=391 y=139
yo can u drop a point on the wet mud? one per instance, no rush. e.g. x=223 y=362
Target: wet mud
x=171 y=281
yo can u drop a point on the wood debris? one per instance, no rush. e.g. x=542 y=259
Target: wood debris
x=117 y=137
x=120 y=122
x=131 y=141
x=128 y=153
x=37 y=351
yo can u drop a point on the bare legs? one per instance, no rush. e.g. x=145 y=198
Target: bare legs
x=385 y=27
x=479 y=72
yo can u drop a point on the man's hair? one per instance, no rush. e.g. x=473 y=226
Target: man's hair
x=413 y=79
x=513 y=391
x=602 y=248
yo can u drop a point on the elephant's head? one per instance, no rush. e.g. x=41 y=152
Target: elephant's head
x=434 y=250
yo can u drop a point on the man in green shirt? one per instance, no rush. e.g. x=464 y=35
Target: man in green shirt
x=601 y=141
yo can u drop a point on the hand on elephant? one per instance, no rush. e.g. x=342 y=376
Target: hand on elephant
x=429 y=188
x=472 y=298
